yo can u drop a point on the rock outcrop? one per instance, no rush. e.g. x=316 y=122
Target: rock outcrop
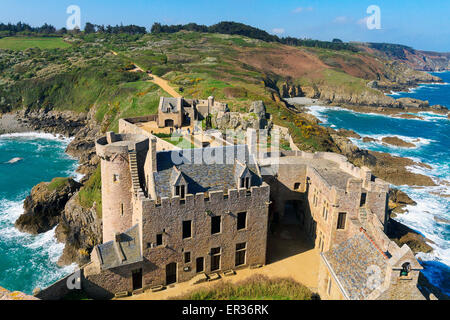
x=401 y=234
x=396 y=141
x=256 y=118
x=398 y=200
x=80 y=229
x=385 y=166
x=44 y=206
x=16 y=295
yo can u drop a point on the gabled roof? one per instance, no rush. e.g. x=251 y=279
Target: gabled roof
x=169 y=105
x=177 y=177
x=211 y=173
x=355 y=263
x=126 y=249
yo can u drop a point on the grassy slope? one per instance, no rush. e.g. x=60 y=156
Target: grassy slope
x=22 y=43
x=257 y=287
x=236 y=70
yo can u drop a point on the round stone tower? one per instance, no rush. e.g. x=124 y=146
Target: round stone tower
x=122 y=161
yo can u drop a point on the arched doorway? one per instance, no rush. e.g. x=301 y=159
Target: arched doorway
x=171 y=273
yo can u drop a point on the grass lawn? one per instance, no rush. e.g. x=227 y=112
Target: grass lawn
x=22 y=43
x=257 y=287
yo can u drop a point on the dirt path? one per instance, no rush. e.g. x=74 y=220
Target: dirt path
x=163 y=84
x=290 y=255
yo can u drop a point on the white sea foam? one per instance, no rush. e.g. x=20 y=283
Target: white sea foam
x=417 y=141
x=37 y=135
x=317 y=111
x=422 y=218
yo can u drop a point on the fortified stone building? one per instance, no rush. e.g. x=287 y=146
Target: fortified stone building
x=172 y=216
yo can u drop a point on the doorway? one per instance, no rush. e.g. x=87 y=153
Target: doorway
x=168 y=123
x=171 y=273
x=136 y=275
x=200 y=265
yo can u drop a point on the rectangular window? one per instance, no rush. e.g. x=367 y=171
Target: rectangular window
x=215 y=259
x=187 y=229
x=183 y=192
x=216 y=224
x=241 y=249
x=247 y=183
x=121 y=209
x=363 y=199
x=159 y=239
x=242 y=220
x=115 y=178
x=325 y=210
x=187 y=257
x=341 y=220
x=177 y=190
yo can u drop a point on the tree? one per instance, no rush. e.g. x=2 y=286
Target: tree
x=89 y=28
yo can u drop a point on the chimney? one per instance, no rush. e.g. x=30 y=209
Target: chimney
x=110 y=137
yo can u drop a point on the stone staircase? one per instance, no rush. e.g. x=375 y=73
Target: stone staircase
x=134 y=172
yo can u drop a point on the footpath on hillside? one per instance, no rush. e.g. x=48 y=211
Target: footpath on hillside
x=163 y=84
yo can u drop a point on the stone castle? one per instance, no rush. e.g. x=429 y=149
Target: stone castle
x=169 y=217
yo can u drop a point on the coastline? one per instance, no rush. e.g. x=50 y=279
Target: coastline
x=415 y=217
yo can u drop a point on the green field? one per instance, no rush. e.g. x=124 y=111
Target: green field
x=22 y=43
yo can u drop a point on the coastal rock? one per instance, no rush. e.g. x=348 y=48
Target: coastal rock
x=43 y=207
x=398 y=200
x=67 y=123
x=348 y=133
x=413 y=103
x=369 y=139
x=383 y=165
x=401 y=234
x=14 y=160
x=80 y=229
x=16 y=295
x=395 y=141
x=438 y=107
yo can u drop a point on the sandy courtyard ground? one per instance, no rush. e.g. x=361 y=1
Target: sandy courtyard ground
x=290 y=254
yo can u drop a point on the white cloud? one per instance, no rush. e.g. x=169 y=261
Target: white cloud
x=278 y=30
x=302 y=9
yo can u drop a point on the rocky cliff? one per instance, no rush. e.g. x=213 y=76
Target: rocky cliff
x=57 y=203
x=44 y=206
x=80 y=229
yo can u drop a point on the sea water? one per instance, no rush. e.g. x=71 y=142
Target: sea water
x=431 y=136
x=29 y=261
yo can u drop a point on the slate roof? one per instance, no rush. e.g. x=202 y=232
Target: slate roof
x=169 y=105
x=215 y=170
x=129 y=246
x=351 y=261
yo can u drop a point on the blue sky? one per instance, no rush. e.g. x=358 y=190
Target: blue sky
x=417 y=23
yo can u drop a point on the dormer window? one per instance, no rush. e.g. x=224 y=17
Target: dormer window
x=179 y=184
x=180 y=191
x=245 y=182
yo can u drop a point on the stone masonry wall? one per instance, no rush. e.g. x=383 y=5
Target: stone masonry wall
x=167 y=218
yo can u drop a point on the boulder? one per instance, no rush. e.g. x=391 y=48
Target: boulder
x=395 y=141
x=413 y=103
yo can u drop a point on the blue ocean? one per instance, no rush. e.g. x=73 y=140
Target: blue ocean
x=431 y=135
x=28 y=261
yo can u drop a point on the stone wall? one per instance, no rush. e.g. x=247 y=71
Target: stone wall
x=167 y=218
